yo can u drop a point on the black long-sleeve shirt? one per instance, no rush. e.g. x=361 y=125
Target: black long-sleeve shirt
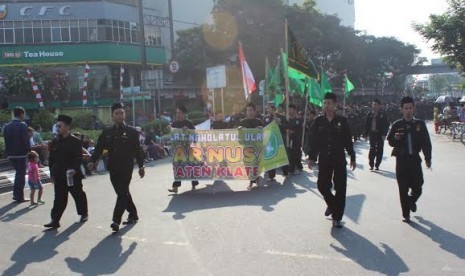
x=251 y=123
x=65 y=154
x=382 y=124
x=123 y=146
x=328 y=141
x=420 y=140
x=181 y=124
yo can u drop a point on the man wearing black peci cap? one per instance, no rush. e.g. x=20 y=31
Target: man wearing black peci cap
x=409 y=136
x=65 y=161
x=122 y=143
x=329 y=138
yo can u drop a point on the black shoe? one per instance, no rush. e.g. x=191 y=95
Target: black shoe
x=21 y=200
x=130 y=221
x=52 y=224
x=328 y=212
x=377 y=168
x=84 y=218
x=115 y=227
x=337 y=223
x=371 y=168
x=406 y=219
x=413 y=207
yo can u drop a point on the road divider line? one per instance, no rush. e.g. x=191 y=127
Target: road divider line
x=308 y=256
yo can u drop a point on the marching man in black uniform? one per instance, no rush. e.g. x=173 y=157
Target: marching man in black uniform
x=282 y=122
x=409 y=136
x=122 y=143
x=295 y=128
x=376 y=128
x=251 y=122
x=329 y=136
x=183 y=123
x=219 y=122
x=65 y=172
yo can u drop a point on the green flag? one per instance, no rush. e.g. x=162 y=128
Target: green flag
x=278 y=99
x=315 y=95
x=325 y=85
x=299 y=58
x=274 y=85
x=348 y=86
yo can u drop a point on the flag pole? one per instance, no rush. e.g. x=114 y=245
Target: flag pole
x=286 y=75
x=222 y=101
x=305 y=113
x=344 y=95
x=265 y=91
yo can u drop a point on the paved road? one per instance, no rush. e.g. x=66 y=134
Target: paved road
x=223 y=229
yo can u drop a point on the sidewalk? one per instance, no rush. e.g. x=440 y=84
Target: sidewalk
x=7 y=179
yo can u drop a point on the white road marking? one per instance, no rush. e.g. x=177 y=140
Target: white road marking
x=308 y=256
x=176 y=243
x=452 y=269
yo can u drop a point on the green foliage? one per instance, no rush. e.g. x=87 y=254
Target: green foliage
x=446 y=33
x=5 y=117
x=259 y=25
x=47 y=135
x=2 y=148
x=93 y=134
x=44 y=118
x=82 y=120
x=160 y=126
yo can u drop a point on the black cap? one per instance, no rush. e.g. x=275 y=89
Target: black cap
x=377 y=101
x=116 y=106
x=65 y=119
x=330 y=96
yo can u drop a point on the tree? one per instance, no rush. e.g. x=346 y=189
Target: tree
x=259 y=25
x=447 y=33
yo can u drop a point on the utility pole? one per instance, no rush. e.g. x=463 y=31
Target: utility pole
x=170 y=10
x=143 y=55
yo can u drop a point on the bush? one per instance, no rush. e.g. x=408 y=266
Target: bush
x=159 y=125
x=5 y=117
x=196 y=115
x=44 y=118
x=2 y=148
x=82 y=120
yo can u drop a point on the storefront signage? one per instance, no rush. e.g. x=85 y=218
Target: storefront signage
x=21 y=55
x=44 y=10
x=31 y=54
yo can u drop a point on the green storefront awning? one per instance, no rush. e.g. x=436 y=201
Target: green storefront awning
x=29 y=55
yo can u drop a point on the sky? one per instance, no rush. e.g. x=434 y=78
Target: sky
x=394 y=18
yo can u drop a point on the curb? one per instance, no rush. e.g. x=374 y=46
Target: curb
x=7 y=179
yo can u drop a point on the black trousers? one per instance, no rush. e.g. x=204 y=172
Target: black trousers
x=375 y=156
x=120 y=180
x=272 y=173
x=61 y=198
x=409 y=178
x=295 y=157
x=327 y=175
x=178 y=183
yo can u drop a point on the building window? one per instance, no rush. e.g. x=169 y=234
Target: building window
x=152 y=35
x=82 y=30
